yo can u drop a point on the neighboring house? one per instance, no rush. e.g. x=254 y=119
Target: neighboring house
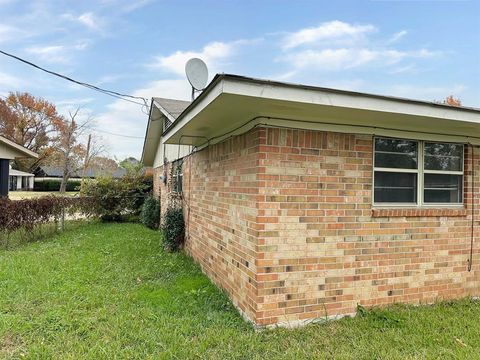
x=10 y=151
x=43 y=173
x=302 y=202
x=20 y=180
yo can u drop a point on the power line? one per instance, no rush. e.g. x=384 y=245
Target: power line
x=121 y=135
x=112 y=93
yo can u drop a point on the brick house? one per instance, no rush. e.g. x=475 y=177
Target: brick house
x=302 y=202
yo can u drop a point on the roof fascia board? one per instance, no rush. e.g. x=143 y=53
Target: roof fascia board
x=147 y=130
x=240 y=78
x=19 y=148
x=348 y=100
x=196 y=107
x=234 y=84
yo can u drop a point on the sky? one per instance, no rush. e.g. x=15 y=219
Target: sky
x=420 y=49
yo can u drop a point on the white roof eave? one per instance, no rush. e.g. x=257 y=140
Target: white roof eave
x=426 y=115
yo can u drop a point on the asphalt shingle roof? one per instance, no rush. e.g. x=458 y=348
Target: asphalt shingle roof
x=173 y=107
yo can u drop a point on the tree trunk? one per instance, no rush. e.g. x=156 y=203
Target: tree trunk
x=63 y=184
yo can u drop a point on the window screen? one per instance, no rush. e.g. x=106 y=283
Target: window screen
x=401 y=178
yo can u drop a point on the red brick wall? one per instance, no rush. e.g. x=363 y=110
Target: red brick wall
x=323 y=250
x=163 y=190
x=220 y=190
x=282 y=220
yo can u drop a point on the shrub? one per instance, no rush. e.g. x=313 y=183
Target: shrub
x=173 y=228
x=30 y=213
x=150 y=215
x=54 y=185
x=116 y=199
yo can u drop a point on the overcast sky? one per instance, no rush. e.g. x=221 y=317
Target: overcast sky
x=418 y=49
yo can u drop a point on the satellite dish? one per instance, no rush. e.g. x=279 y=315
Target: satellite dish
x=197 y=74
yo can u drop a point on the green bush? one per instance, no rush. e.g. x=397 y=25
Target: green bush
x=173 y=228
x=150 y=215
x=116 y=199
x=54 y=185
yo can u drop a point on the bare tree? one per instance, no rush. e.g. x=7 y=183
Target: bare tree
x=70 y=153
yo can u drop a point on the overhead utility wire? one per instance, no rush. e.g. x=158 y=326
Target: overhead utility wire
x=115 y=134
x=81 y=83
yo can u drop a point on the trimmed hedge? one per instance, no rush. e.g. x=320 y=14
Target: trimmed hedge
x=54 y=185
x=29 y=213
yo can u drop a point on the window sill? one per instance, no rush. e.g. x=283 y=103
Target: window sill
x=419 y=212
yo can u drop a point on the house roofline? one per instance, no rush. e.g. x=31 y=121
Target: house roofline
x=219 y=77
x=21 y=149
x=146 y=131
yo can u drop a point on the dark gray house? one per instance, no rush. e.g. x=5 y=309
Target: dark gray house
x=10 y=151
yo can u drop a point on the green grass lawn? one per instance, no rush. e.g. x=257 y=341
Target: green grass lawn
x=108 y=291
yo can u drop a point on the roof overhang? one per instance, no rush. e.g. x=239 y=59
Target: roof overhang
x=20 y=173
x=153 y=133
x=11 y=150
x=232 y=104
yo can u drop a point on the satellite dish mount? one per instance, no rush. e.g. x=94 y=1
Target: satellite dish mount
x=197 y=75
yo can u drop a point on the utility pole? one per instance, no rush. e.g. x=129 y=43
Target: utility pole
x=85 y=162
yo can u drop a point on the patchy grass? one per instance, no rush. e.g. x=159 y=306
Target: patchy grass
x=22 y=195
x=108 y=291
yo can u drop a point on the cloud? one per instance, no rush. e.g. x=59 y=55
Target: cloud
x=405 y=69
x=56 y=53
x=347 y=58
x=74 y=102
x=10 y=82
x=212 y=53
x=49 y=53
x=124 y=6
x=128 y=119
x=10 y=33
x=108 y=79
x=397 y=36
x=332 y=30
x=134 y=5
x=337 y=45
x=87 y=19
x=125 y=118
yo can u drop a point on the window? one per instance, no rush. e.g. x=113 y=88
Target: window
x=177 y=176
x=411 y=173
x=396 y=171
x=443 y=168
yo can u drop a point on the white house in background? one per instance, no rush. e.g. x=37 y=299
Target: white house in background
x=10 y=151
x=20 y=180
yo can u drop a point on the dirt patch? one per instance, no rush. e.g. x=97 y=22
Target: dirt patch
x=11 y=345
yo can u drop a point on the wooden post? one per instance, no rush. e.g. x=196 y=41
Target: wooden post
x=62 y=219
x=85 y=163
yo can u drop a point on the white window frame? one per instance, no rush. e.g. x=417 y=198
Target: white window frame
x=420 y=171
